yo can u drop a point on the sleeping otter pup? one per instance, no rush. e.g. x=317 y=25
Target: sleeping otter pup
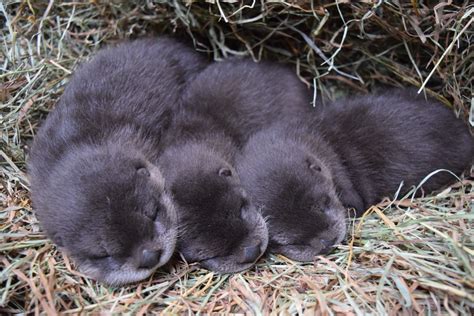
x=218 y=225
x=352 y=154
x=292 y=177
x=95 y=183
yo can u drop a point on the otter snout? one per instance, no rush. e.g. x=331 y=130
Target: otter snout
x=305 y=252
x=149 y=259
x=243 y=256
x=251 y=253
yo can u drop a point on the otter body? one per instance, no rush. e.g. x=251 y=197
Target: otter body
x=352 y=154
x=392 y=137
x=95 y=184
x=244 y=97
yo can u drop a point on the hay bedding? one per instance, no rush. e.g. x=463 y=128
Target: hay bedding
x=409 y=256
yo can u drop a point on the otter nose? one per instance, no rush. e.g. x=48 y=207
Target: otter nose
x=251 y=253
x=149 y=258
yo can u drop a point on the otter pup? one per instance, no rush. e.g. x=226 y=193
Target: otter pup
x=392 y=137
x=352 y=154
x=292 y=177
x=96 y=187
x=218 y=225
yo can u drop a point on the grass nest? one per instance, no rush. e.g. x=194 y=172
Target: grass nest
x=404 y=256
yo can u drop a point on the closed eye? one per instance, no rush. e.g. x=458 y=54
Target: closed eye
x=100 y=252
x=152 y=213
x=324 y=201
x=244 y=203
x=315 y=167
x=99 y=256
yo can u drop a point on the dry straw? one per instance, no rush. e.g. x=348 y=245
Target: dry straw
x=409 y=256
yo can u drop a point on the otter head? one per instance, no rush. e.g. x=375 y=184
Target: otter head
x=296 y=193
x=219 y=226
x=107 y=208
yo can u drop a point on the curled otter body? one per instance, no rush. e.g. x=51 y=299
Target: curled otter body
x=352 y=154
x=392 y=137
x=96 y=188
x=244 y=97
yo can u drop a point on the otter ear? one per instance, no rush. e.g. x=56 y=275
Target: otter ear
x=313 y=165
x=225 y=172
x=142 y=171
